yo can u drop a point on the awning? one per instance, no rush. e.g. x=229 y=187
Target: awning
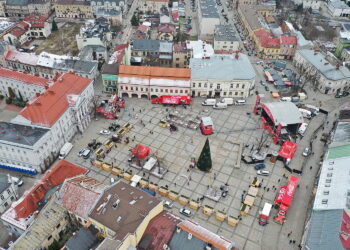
x=287 y=150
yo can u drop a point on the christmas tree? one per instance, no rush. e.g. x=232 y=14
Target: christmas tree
x=204 y=161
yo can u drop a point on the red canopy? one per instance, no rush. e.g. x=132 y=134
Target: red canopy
x=288 y=196
x=140 y=151
x=287 y=150
x=280 y=194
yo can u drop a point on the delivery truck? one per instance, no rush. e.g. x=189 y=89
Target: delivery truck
x=67 y=147
x=265 y=213
x=172 y=100
x=206 y=126
x=209 y=102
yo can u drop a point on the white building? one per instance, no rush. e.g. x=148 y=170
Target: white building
x=200 y=49
x=222 y=76
x=313 y=4
x=110 y=9
x=150 y=82
x=56 y=115
x=153 y=6
x=324 y=75
x=338 y=9
x=225 y=38
x=22 y=85
x=8 y=192
x=208 y=18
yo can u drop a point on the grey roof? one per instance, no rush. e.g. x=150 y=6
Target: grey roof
x=339 y=5
x=225 y=33
x=111 y=69
x=20 y=134
x=324 y=230
x=4 y=183
x=181 y=241
x=222 y=67
x=83 y=240
x=2 y=48
x=342 y=132
x=17 y=2
x=346 y=26
x=166 y=47
x=147 y=45
x=285 y=112
x=75 y=65
x=322 y=65
x=209 y=9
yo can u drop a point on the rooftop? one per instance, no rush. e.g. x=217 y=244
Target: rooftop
x=200 y=49
x=19 y=29
x=47 y=221
x=289 y=40
x=254 y=19
x=339 y=5
x=284 y=112
x=46 y=109
x=22 y=57
x=79 y=194
x=155 y=72
x=24 y=78
x=180 y=47
x=122 y=208
x=29 y=202
x=83 y=239
x=333 y=184
x=72 y=2
x=48 y=60
x=17 y=2
x=225 y=33
x=209 y=9
x=166 y=47
x=159 y=231
x=36 y=21
x=342 y=132
x=76 y=65
x=111 y=69
x=321 y=64
x=4 y=183
x=148 y=45
x=266 y=39
x=225 y=67
x=19 y=134
x=201 y=237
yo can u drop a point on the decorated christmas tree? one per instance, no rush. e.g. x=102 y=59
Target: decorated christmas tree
x=204 y=160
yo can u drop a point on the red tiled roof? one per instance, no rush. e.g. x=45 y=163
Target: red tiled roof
x=21 y=77
x=22 y=57
x=266 y=40
x=289 y=40
x=166 y=28
x=155 y=72
x=36 y=21
x=49 y=107
x=143 y=28
x=79 y=194
x=205 y=235
x=28 y=204
x=161 y=228
x=19 y=29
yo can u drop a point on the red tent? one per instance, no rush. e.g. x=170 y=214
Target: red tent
x=287 y=150
x=140 y=151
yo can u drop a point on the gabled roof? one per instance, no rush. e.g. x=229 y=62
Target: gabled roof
x=266 y=40
x=151 y=45
x=79 y=194
x=155 y=72
x=48 y=107
x=25 y=78
x=36 y=21
x=84 y=239
x=22 y=57
x=19 y=29
x=290 y=40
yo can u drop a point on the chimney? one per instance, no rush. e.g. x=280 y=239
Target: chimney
x=74 y=235
x=37 y=94
x=337 y=66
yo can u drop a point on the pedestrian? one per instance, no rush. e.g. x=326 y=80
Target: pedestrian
x=310 y=167
x=275 y=189
x=268 y=189
x=293 y=241
x=273 y=186
x=175 y=184
x=188 y=183
x=190 y=178
x=290 y=232
x=140 y=111
x=262 y=180
x=262 y=196
x=133 y=109
x=290 y=241
x=288 y=235
x=279 y=180
x=306 y=186
x=298 y=185
x=264 y=188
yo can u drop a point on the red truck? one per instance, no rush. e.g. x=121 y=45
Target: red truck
x=172 y=99
x=265 y=213
x=207 y=126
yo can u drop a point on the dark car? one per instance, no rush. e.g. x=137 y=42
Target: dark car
x=260 y=166
x=342 y=94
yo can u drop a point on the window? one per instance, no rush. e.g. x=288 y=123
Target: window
x=324 y=201
x=8 y=191
x=236 y=93
x=231 y=85
x=194 y=85
x=176 y=91
x=237 y=85
x=205 y=85
x=243 y=85
x=1 y=197
x=329 y=175
x=328 y=180
x=211 y=85
x=326 y=192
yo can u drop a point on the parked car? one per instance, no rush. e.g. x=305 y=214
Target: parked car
x=105 y=132
x=168 y=204
x=86 y=153
x=342 y=94
x=260 y=166
x=306 y=152
x=267 y=88
x=80 y=153
x=17 y=181
x=263 y=172
x=185 y=212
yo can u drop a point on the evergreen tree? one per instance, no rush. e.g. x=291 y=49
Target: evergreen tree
x=204 y=161
x=54 y=25
x=134 y=21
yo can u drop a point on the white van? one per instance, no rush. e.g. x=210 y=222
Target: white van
x=315 y=110
x=67 y=147
x=286 y=99
x=209 y=102
x=228 y=101
x=302 y=128
x=305 y=113
x=263 y=172
x=220 y=105
x=240 y=102
x=86 y=153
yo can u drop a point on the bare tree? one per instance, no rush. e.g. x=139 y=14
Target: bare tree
x=96 y=101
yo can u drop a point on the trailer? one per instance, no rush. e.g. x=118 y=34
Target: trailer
x=284 y=199
x=172 y=100
x=264 y=215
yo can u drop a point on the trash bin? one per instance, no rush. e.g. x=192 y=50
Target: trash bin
x=273 y=157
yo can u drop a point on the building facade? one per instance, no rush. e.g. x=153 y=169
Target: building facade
x=150 y=82
x=222 y=76
x=208 y=18
x=338 y=9
x=8 y=192
x=327 y=77
x=16 y=8
x=73 y=9
x=225 y=38
x=40 y=7
x=152 y=6
x=181 y=55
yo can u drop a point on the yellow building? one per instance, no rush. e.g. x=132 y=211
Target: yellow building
x=266 y=45
x=122 y=214
x=73 y=9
